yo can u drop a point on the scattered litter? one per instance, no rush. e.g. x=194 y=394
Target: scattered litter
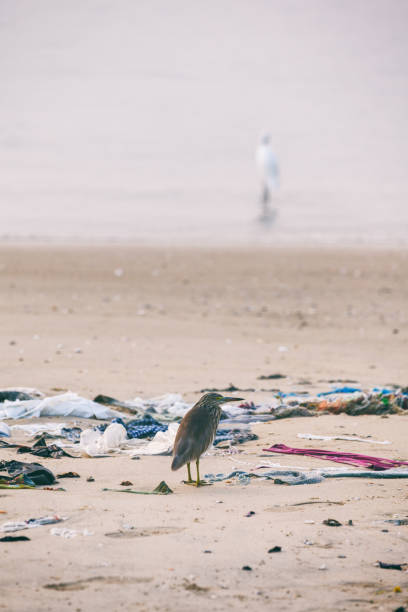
x=90 y=479
x=247 y=568
x=19 y=394
x=25 y=474
x=127 y=407
x=161 y=489
x=309 y=522
x=79 y=585
x=5 y=430
x=192 y=586
x=126 y=483
x=250 y=513
x=375 y=463
x=143 y=532
x=162 y=443
x=340 y=390
x=350 y=523
x=275 y=549
x=392 y=566
x=296 y=477
x=72 y=434
x=170 y=404
x=308 y=436
x=321 y=501
x=39 y=449
x=30 y=523
x=50 y=427
x=397 y=522
x=323 y=567
x=66 y=404
x=94 y=443
x=69 y=533
x=144 y=427
x=271 y=377
x=332 y=523
x=68 y=475
x=14 y=539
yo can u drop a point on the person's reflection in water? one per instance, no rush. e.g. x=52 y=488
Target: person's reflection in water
x=268 y=217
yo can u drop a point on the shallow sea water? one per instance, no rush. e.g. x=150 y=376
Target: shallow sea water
x=138 y=121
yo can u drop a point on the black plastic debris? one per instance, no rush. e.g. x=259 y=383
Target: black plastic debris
x=247 y=568
x=271 y=377
x=105 y=400
x=68 y=475
x=40 y=449
x=13 y=396
x=35 y=472
x=392 y=566
x=275 y=549
x=15 y=539
x=250 y=513
x=332 y=523
x=90 y=479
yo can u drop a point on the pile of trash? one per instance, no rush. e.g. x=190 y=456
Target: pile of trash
x=149 y=427
x=153 y=428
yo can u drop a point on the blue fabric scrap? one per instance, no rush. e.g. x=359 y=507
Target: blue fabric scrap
x=340 y=390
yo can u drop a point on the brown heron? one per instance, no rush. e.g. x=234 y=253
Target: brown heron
x=197 y=431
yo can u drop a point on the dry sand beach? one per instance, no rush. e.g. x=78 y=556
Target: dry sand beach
x=134 y=262
x=128 y=322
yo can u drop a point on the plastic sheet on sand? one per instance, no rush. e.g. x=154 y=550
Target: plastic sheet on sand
x=114 y=439
x=64 y=405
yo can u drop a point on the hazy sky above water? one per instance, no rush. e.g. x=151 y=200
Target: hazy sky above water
x=139 y=120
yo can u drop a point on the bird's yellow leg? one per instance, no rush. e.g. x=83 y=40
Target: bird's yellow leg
x=189 y=473
x=200 y=483
x=198 y=472
x=190 y=480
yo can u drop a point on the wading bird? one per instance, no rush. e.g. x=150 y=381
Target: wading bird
x=197 y=431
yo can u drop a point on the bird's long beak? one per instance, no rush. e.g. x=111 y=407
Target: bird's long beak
x=231 y=399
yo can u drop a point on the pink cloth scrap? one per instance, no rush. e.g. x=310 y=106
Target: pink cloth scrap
x=374 y=463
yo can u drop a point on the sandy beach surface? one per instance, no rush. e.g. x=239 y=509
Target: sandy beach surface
x=127 y=322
